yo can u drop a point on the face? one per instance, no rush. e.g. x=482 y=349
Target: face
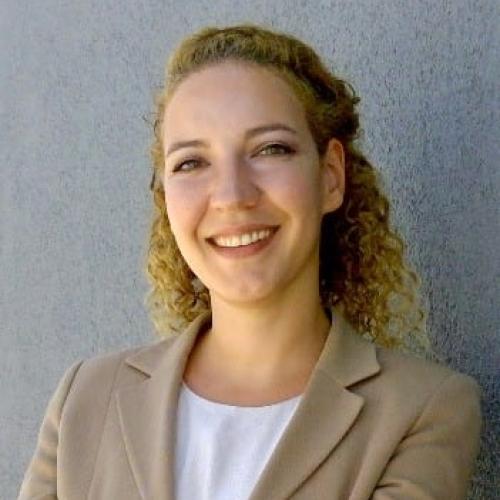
x=245 y=189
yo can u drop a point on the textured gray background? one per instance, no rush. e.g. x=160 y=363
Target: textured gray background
x=77 y=79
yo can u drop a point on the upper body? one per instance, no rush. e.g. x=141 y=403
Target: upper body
x=263 y=201
x=371 y=423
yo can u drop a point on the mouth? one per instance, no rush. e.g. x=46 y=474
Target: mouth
x=243 y=239
x=243 y=245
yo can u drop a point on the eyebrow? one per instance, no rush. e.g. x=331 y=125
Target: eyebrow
x=252 y=132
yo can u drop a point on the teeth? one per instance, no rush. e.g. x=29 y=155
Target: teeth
x=242 y=239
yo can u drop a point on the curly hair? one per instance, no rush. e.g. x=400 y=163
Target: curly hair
x=362 y=265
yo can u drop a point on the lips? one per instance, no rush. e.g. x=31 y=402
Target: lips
x=245 y=251
x=239 y=230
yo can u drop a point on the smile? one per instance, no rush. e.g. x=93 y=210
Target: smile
x=243 y=245
x=241 y=240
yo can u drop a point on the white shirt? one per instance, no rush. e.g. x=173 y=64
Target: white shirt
x=222 y=449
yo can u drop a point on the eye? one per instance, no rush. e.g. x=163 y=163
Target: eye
x=187 y=165
x=275 y=148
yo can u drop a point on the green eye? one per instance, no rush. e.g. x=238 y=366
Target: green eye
x=276 y=149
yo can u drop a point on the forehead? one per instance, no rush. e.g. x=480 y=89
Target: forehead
x=232 y=96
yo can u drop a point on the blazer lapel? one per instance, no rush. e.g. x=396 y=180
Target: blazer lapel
x=325 y=414
x=147 y=411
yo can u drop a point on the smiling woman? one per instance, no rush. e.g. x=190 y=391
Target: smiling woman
x=237 y=184
x=361 y=257
x=271 y=251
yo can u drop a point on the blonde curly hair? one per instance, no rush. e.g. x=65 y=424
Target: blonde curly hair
x=362 y=265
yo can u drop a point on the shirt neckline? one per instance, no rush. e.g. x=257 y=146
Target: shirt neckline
x=208 y=402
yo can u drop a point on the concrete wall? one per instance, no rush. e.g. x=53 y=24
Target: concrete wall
x=77 y=79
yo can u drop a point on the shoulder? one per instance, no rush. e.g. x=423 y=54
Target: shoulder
x=412 y=405
x=93 y=380
x=423 y=421
x=420 y=388
x=386 y=375
x=417 y=375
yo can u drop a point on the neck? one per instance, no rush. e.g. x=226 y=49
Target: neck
x=263 y=345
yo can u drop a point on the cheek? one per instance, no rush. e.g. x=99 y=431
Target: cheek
x=183 y=208
x=296 y=188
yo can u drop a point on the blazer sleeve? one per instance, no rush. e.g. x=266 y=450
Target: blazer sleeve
x=40 y=479
x=436 y=458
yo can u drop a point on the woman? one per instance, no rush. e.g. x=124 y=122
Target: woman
x=271 y=247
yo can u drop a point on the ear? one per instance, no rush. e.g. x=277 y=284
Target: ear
x=333 y=172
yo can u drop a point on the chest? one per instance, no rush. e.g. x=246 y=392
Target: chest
x=221 y=449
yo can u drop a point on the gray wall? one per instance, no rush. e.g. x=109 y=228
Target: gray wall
x=77 y=79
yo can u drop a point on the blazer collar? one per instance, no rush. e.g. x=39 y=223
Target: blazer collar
x=326 y=412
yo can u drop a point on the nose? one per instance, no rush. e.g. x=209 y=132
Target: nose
x=234 y=188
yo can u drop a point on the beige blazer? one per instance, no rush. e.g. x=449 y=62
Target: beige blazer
x=372 y=423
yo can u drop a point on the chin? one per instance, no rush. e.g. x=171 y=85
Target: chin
x=243 y=295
